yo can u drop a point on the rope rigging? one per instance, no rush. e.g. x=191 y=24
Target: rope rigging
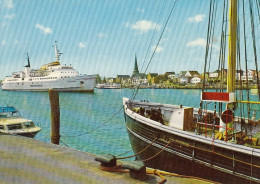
x=246 y=68
x=84 y=133
x=212 y=36
x=239 y=68
x=148 y=48
x=254 y=46
x=134 y=95
x=208 y=43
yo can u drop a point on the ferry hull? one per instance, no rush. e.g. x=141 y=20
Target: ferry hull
x=79 y=90
x=188 y=157
x=73 y=84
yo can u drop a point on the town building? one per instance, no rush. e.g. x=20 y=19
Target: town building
x=137 y=77
x=123 y=79
x=152 y=78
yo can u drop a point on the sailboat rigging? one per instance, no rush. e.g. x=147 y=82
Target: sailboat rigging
x=213 y=144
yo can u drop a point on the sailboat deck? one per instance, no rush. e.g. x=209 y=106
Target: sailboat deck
x=201 y=128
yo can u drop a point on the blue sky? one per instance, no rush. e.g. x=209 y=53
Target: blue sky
x=103 y=36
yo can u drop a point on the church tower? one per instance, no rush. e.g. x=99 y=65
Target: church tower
x=136 y=71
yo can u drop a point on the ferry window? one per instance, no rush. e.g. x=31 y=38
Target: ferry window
x=15 y=114
x=14 y=127
x=29 y=124
x=2 y=127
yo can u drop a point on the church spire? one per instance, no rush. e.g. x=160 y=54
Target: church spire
x=136 y=71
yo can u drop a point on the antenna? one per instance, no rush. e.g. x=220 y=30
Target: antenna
x=57 y=52
x=28 y=60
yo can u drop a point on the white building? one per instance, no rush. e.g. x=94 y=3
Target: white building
x=195 y=80
x=183 y=80
x=251 y=75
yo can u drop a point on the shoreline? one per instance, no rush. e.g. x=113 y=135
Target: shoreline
x=188 y=87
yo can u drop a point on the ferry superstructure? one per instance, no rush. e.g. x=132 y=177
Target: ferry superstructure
x=52 y=75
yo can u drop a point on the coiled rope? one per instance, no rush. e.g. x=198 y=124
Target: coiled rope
x=156 y=172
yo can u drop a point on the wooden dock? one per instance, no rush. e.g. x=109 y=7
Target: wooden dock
x=26 y=160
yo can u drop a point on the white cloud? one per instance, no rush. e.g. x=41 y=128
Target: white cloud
x=143 y=26
x=102 y=35
x=45 y=30
x=82 y=45
x=197 y=18
x=158 y=49
x=9 y=4
x=127 y=24
x=9 y=16
x=140 y=10
x=3 y=42
x=199 y=42
x=9 y=43
x=3 y=24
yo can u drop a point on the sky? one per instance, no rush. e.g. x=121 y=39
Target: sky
x=103 y=36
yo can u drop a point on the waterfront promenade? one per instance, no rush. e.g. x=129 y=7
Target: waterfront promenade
x=26 y=160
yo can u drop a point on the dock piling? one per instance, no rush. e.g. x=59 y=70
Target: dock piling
x=55 y=116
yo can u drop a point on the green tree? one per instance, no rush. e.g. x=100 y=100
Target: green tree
x=104 y=80
x=98 y=79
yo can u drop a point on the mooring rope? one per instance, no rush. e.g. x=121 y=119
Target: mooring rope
x=84 y=133
x=156 y=172
x=121 y=158
x=157 y=153
x=64 y=143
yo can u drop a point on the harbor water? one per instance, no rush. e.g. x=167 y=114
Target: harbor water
x=94 y=122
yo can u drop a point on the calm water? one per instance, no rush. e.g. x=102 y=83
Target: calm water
x=83 y=112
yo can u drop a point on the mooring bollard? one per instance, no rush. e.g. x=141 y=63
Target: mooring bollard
x=55 y=116
x=137 y=169
x=106 y=160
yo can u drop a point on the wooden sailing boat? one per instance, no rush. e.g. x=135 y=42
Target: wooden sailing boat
x=194 y=141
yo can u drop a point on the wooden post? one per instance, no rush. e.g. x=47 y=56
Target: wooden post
x=55 y=116
x=188 y=119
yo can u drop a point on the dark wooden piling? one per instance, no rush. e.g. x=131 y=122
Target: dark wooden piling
x=55 y=116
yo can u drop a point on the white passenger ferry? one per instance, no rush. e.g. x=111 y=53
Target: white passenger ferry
x=108 y=86
x=52 y=75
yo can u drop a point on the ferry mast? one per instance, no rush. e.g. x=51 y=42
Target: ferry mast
x=57 y=52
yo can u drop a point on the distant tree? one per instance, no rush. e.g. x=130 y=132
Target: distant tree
x=104 y=80
x=98 y=79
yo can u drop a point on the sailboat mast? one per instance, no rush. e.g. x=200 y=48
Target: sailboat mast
x=231 y=72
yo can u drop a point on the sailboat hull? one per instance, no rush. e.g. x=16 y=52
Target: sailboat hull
x=187 y=155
